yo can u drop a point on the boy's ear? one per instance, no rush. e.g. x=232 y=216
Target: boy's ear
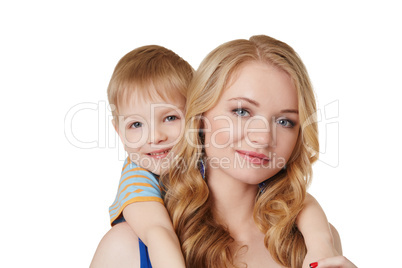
x=115 y=126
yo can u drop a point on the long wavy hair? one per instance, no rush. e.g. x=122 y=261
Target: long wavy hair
x=205 y=242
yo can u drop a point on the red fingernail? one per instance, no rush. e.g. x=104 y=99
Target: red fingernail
x=313 y=265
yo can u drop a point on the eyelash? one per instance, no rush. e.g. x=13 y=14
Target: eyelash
x=288 y=123
x=237 y=110
x=171 y=116
x=138 y=126
x=168 y=118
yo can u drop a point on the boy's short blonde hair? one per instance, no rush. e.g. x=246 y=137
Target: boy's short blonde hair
x=150 y=72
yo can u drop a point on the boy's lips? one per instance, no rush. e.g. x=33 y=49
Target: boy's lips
x=253 y=157
x=158 y=154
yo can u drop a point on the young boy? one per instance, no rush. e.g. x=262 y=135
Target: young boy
x=148 y=91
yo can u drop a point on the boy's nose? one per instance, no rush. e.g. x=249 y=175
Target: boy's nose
x=156 y=137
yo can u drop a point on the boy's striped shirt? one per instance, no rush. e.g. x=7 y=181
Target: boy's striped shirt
x=136 y=185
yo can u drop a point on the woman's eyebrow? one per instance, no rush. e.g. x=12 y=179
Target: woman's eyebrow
x=245 y=99
x=293 y=111
x=290 y=111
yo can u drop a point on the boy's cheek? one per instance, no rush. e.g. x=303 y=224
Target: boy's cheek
x=133 y=141
x=134 y=157
x=164 y=165
x=179 y=126
x=156 y=166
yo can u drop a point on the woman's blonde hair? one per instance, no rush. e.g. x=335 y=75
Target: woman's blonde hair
x=205 y=242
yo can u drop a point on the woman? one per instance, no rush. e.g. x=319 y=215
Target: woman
x=250 y=129
x=253 y=104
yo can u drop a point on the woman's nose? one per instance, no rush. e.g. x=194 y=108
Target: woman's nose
x=260 y=133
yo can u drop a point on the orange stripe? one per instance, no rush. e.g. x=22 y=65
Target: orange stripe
x=134 y=169
x=134 y=200
x=137 y=184
x=125 y=188
x=134 y=176
x=138 y=199
x=128 y=163
x=127 y=194
x=130 y=177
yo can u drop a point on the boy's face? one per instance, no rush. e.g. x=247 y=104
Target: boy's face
x=149 y=130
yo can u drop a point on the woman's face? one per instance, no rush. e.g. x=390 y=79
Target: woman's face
x=252 y=130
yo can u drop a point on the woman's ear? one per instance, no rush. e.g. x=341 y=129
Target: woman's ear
x=201 y=131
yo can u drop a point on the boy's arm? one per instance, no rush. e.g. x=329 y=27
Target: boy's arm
x=152 y=224
x=313 y=224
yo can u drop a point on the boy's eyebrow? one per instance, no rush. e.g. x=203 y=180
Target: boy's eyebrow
x=255 y=103
x=165 y=110
x=129 y=115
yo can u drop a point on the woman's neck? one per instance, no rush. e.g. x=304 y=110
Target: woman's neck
x=233 y=206
x=233 y=201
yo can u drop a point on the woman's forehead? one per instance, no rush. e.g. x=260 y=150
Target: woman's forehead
x=262 y=83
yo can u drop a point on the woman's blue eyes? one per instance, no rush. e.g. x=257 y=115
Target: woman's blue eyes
x=244 y=113
x=241 y=112
x=285 y=123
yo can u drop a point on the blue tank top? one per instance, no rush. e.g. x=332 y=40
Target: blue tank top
x=144 y=256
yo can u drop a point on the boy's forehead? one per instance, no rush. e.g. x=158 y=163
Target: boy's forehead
x=151 y=91
x=141 y=96
x=137 y=103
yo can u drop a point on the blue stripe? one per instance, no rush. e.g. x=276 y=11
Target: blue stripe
x=153 y=191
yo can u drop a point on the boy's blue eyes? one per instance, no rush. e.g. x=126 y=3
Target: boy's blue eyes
x=136 y=125
x=167 y=119
x=170 y=118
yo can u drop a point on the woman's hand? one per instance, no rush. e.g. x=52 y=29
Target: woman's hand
x=320 y=251
x=333 y=262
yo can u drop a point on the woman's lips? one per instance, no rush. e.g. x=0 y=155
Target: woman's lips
x=159 y=153
x=253 y=157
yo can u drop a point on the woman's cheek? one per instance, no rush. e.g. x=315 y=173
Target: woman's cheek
x=221 y=133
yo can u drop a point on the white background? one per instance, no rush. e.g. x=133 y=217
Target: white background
x=55 y=55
